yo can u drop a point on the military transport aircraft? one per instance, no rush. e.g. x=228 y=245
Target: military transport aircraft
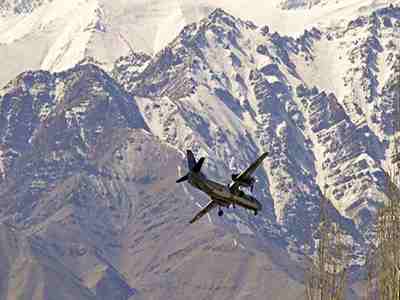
x=222 y=195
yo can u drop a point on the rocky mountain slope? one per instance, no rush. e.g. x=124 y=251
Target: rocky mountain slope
x=268 y=91
x=89 y=159
x=89 y=192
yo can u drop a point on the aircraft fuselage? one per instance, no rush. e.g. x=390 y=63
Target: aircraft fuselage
x=221 y=193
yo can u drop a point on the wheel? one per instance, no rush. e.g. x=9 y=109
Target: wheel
x=255 y=213
x=220 y=212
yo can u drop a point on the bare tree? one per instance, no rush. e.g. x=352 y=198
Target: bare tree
x=388 y=244
x=327 y=277
x=384 y=280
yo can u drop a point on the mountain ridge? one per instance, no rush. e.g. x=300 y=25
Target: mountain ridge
x=89 y=160
x=63 y=34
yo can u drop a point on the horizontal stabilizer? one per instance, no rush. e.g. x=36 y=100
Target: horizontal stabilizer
x=184 y=178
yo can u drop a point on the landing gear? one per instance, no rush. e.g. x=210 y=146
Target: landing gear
x=255 y=213
x=220 y=213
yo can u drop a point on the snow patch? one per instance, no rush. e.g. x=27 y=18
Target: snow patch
x=72 y=42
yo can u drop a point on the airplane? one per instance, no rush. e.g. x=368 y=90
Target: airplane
x=222 y=195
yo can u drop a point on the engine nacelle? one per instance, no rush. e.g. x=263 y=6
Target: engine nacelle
x=234 y=176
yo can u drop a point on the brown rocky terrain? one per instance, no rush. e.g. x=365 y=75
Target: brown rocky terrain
x=91 y=210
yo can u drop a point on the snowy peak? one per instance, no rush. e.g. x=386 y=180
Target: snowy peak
x=65 y=32
x=221 y=16
x=72 y=43
x=186 y=57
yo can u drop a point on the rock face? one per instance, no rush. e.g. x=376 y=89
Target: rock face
x=34 y=275
x=52 y=127
x=89 y=192
x=227 y=73
x=88 y=160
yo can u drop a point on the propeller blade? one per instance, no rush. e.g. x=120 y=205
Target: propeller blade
x=184 y=178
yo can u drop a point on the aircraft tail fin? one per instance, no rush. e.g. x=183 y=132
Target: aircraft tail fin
x=190 y=159
x=198 y=165
x=192 y=164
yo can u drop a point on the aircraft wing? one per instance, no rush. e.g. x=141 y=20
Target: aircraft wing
x=204 y=210
x=247 y=173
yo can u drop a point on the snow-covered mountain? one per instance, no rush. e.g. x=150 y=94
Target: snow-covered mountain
x=89 y=194
x=89 y=155
x=55 y=35
x=321 y=93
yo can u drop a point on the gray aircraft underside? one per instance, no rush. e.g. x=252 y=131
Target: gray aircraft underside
x=222 y=195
